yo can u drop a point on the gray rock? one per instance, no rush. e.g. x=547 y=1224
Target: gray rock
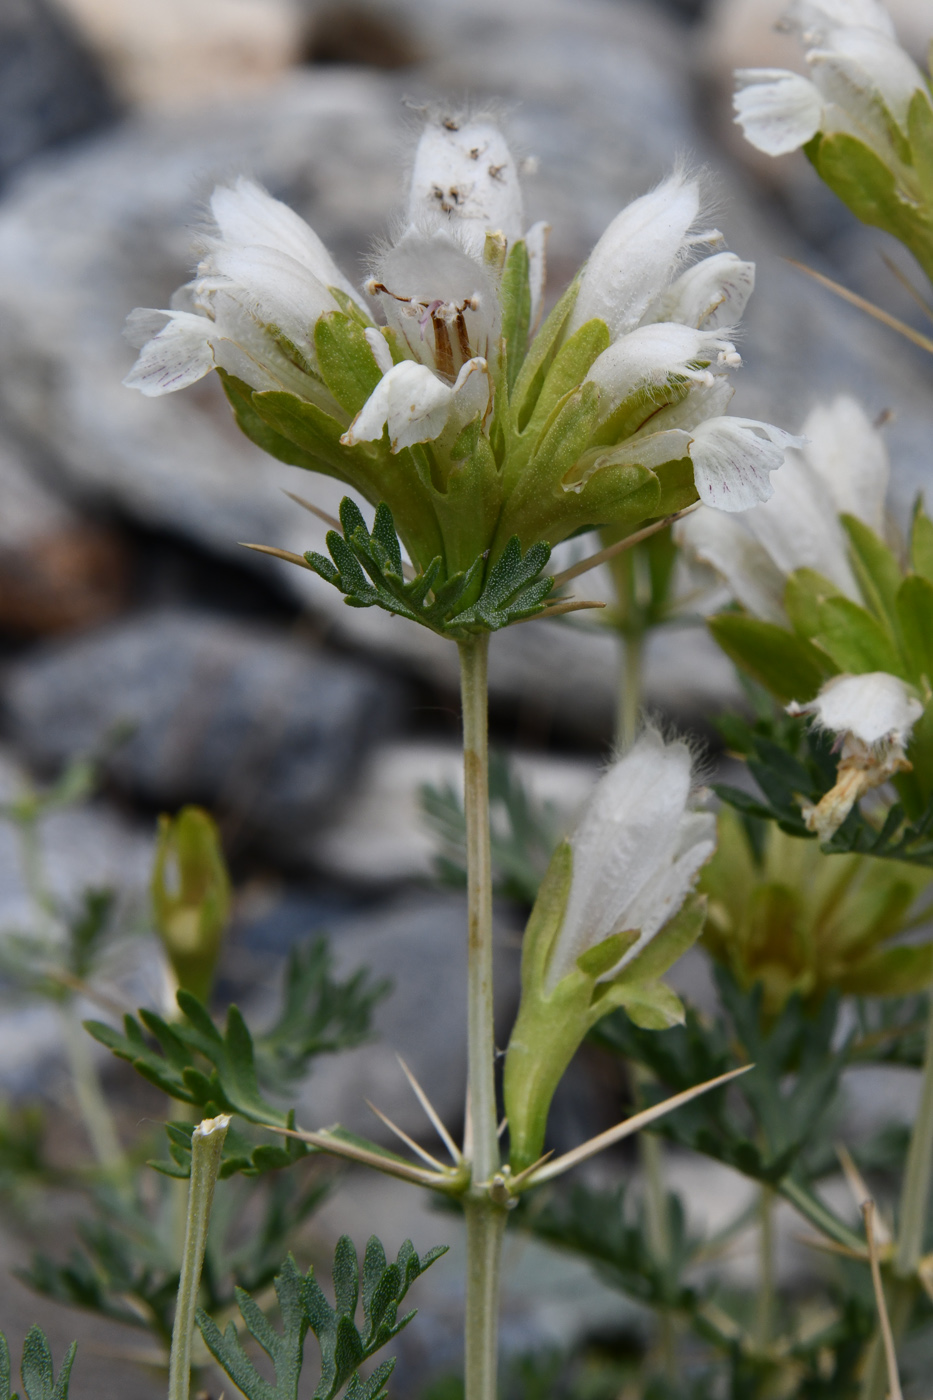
x=418 y=941
x=51 y=89
x=262 y=728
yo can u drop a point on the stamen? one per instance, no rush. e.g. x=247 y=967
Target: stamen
x=443 y=353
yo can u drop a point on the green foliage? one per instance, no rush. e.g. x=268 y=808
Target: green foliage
x=302 y=1305
x=37 y=1371
x=194 y=1063
x=791 y=764
x=523 y=832
x=368 y=570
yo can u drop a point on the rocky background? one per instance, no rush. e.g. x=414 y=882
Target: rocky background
x=134 y=628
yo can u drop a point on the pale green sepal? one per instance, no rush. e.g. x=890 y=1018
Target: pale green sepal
x=567 y=373
x=262 y=434
x=596 y=962
x=515 y=300
x=805 y=592
x=346 y=361
x=667 y=945
x=920 y=135
x=466 y=496
x=855 y=640
x=876 y=569
x=540 y=354
x=350 y=308
x=652 y=1006
x=626 y=495
x=545 y=919
x=921 y=543
x=915 y=618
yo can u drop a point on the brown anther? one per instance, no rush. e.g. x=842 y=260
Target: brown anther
x=495 y=171
x=443 y=353
x=462 y=337
x=450 y=125
x=474 y=154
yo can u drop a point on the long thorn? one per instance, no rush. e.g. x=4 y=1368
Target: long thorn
x=887 y=1336
x=432 y=1113
x=631 y=1125
x=403 y=1137
x=908 y=286
x=860 y=1191
x=285 y=554
x=518 y=1181
x=868 y=307
x=569 y=605
x=337 y=1147
x=592 y=561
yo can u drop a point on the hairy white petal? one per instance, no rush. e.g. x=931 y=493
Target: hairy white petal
x=247 y=216
x=465 y=177
x=777 y=110
x=536 y=243
x=177 y=355
x=724 y=543
x=636 y=257
x=857 y=69
x=378 y=345
x=847 y=453
x=799 y=527
x=417 y=406
x=875 y=708
x=624 y=849
x=820 y=17
x=711 y=294
x=650 y=355
x=694 y=840
x=276 y=290
x=733 y=459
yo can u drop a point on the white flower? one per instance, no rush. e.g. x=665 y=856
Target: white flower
x=873 y=715
x=862 y=82
x=841 y=467
x=261 y=285
x=417 y=406
x=637 y=850
x=651 y=357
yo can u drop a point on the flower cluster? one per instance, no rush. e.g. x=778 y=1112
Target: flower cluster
x=609 y=921
x=864 y=116
x=434 y=391
x=832 y=621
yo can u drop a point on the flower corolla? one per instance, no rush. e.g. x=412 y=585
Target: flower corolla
x=840 y=468
x=432 y=388
x=873 y=715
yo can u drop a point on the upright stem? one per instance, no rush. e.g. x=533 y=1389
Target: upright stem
x=911 y=1229
x=485 y=1219
x=207 y=1143
x=92 y=1102
x=764 y=1316
x=659 y=1236
x=628 y=703
x=480 y=1031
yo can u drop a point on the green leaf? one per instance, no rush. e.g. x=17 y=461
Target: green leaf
x=38 y=1374
x=347 y=364
x=668 y=944
x=855 y=640
x=805 y=591
x=920 y=136
x=921 y=543
x=540 y=355
x=259 y=431
x=915 y=617
x=790 y=667
x=652 y=1006
x=876 y=569
x=285 y=1350
x=568 y=371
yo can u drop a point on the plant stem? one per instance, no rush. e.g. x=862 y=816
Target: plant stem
x=485 y=1228
x=764 y=1314
x=207 y=1142
x=480 y=1031
x=485 y=1220
x=628 y=704
x=92 y=1102
x=911 y=1230
x=659 y=1236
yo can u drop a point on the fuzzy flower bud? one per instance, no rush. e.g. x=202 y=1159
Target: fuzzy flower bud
x=609 y=921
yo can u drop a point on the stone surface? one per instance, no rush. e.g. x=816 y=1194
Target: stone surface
x=189 y=52
x=418 y=941
x=51 y=88
x=193 y=708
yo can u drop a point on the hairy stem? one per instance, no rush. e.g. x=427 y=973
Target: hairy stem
x=485 y=1220
x=207 y=1143
x=92 y=1102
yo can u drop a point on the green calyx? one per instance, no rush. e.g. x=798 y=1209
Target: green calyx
x=465 y=500
x=553 y=1021
x=190 y=891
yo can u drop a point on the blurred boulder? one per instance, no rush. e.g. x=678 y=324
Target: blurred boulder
x=188 y=52
x=57 y=570
x=194 y=708
x=51 y=87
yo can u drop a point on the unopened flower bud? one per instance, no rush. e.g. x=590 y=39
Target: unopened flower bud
x=190 y=897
